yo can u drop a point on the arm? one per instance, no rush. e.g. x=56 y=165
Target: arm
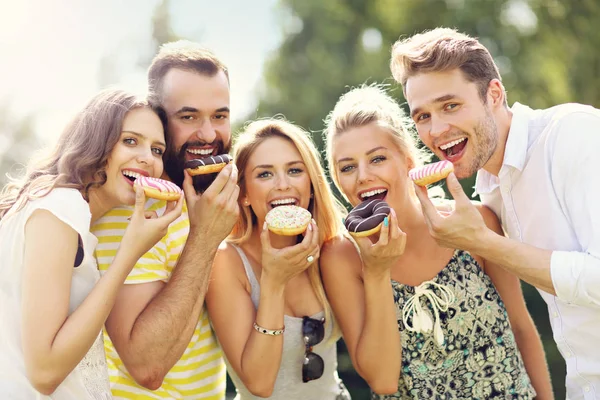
x=572 y=276
x=146 y=315
x=526 y=334
x=54 y=342
x=363 y=304
x=255 y=357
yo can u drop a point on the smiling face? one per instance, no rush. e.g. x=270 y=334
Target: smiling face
x=138 y=152
x=275 y=175
x=369 y=164
x=452 y=119
x=197 y=108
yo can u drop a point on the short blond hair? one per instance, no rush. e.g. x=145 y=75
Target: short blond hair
x=371 y=104
x=443 y=49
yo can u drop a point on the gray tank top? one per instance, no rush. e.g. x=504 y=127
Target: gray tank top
x=289 y=385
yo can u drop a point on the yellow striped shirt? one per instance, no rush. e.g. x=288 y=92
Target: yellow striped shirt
x=200 y=373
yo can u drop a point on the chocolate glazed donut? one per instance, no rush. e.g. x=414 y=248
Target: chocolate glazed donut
x=366 y=217
x=206 y=161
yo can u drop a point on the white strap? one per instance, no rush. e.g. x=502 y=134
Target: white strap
x=421 y=321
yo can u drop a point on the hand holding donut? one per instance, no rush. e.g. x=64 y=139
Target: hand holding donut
x=281 y=265
x=214 y=212
x=380 y=256
x=145 y=229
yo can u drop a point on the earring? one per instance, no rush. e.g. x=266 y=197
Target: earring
x=312 y=195
x=246 y=202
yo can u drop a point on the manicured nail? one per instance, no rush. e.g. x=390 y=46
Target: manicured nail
x=343 y=221
x=385 y=221
x=310 y=226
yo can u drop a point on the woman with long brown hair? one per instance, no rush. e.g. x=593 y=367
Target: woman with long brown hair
x=53 y=302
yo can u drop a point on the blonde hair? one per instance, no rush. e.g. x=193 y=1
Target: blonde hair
x=79 y=159
x=443 y=49
x=371 y=104
x=325 y=209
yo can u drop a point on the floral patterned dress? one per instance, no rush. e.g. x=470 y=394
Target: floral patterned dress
x=457 y=342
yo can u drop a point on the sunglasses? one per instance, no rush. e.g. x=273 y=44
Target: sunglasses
x=313 y=331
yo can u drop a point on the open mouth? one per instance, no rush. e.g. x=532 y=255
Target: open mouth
x=378 y=194
x=454 y=149
x=196 y=152
x=284 y=202
x=131 y=176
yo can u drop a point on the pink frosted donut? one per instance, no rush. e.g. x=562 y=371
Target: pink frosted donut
x=431 y=173
x=159 y=188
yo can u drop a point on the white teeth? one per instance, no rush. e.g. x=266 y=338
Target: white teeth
x=131 y=174
x=453 y=143
x=202 y=152
x=282 y=202
x=372 y=193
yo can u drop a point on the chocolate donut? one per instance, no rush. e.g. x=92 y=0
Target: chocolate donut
x=366 y=218
x=207 y=165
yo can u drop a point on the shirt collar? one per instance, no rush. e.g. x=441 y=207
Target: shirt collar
x=515 y=151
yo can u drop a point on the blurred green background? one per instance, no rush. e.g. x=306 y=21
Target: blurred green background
x=547 y=52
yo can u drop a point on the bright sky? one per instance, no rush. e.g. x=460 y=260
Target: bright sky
x=52 y=50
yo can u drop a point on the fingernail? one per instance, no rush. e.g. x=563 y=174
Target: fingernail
x=264 y=225
x=343 y=221
x=385 y=221
x=310 y=226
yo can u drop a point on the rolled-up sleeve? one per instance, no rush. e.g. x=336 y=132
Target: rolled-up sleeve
x=575 y=168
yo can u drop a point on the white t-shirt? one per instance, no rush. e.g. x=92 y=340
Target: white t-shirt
x=89 y=380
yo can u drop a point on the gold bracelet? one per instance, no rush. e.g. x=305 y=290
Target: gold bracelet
x=266 y=331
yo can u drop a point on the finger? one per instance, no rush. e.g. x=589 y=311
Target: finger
x=456 y=190
x=394 y=228
x=265 y=239
x=173 y=214
x=232 y=203
x=384 y=232
x=150 y=214
x=231 y=184
x=140 y=201
x=220 y=181
x=364 y=243
x=429 y=210
x=314 y=242
x=188 y=186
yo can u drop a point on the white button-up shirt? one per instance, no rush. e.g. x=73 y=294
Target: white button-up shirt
x=547 y=194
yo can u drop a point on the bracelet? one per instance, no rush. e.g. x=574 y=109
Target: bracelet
x=266 y=331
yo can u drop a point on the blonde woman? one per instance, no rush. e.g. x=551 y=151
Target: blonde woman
x=420 y=320
x=265 y=299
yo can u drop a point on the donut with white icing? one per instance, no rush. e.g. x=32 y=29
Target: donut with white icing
x=288 y=220
x=159 y=188
x=431 y=173
x=207 y=165
x=366 y=218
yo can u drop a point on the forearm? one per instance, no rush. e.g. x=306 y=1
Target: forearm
x=529 y=263
x=261 y=358
x=176 y=308
x=378 y=352
x=79 y=331
x=534 y=358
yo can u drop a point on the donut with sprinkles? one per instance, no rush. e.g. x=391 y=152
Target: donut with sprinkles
x=366 y=218
x=431 y=173
x=288 y=220
x=207 y=165
x=159 y=188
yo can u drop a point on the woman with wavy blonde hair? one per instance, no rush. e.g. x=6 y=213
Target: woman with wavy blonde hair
x=53 y=303
x=265 y=299
x=419 y=320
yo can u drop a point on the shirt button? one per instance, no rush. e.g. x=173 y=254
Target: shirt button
x=568 y=354
x=555 y=314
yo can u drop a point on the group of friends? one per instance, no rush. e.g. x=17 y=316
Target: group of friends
x=107 y=294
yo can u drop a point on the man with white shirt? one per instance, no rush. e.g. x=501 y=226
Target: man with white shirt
x=535 y=168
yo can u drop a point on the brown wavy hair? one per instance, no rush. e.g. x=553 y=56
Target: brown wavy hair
x=440 y=50
x=78 y=160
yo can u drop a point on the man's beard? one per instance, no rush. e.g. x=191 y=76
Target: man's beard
x=174 y=162
x=486 y=135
